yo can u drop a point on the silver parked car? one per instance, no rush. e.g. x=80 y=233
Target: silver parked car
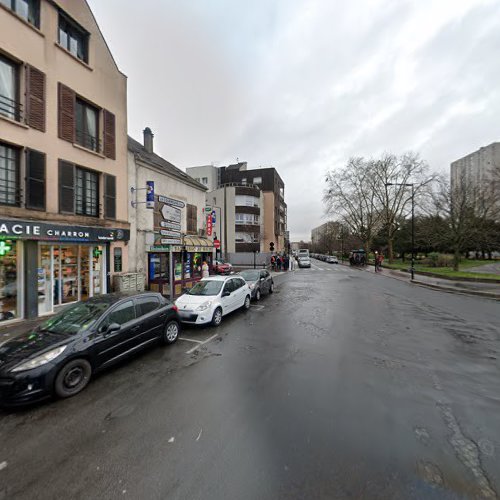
x=259 y=282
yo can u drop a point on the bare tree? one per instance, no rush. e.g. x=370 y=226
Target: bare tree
x=350 y=198
x=470 y=208
x=393 y=179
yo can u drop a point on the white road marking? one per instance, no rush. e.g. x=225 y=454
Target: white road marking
x=171 y=440
x=195 y=348
x=199 y=435
x=3 y=465
x=259 y=308
x=191 y=340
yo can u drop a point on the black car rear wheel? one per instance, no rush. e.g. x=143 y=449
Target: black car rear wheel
x=271 y=288
x=257 y=294
x=171 y=332
x=72 y=378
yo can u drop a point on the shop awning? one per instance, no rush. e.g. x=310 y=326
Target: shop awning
x=198 y=244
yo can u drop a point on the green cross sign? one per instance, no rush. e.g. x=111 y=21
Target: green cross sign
x=4 y=248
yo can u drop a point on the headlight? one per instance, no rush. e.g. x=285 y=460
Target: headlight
x=39 y=360
x=251 y=285
x=204 y=306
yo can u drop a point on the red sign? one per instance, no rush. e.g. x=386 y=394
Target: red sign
x=216 y=243
x=209 y=225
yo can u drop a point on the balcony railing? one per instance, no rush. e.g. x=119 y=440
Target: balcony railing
x=10 y=108
x=88 y=141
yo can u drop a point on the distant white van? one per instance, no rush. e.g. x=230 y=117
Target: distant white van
x=303 y=252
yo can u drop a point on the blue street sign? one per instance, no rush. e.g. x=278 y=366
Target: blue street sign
x=214 y=214
x=150 y=194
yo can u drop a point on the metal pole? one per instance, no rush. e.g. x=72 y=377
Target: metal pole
x=254 y=259
x=225 y=225
x=412 y=232
x=171 y=268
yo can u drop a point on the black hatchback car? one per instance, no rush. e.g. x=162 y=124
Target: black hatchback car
x=59 y=356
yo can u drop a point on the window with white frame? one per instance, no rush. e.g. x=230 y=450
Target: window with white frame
x=246 y=238
x=257 y=180
x=243 y=200
x=247 y=219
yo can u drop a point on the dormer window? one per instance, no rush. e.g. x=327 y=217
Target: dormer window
x=73 y=37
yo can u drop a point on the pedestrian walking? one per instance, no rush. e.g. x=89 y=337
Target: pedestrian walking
x=273 y=262
x=380 y=260
x=204 y=270
x=376 y=261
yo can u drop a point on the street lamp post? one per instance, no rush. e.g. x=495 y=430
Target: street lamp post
x=410 y=184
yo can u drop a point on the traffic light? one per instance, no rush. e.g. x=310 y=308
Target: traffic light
x=271 y=246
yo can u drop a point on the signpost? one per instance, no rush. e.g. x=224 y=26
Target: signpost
x=217 y=244
x=209 y=224
x=170 y=225
x=171 y=201
x=171 y=214
x=150 y=194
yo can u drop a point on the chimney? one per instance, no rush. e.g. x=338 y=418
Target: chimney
x=148 y=140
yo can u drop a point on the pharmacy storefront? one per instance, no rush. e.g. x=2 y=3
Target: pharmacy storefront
x=43 y=266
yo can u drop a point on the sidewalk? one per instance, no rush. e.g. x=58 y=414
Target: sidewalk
x=490 y=290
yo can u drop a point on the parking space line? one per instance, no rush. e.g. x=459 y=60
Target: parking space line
x=196 y=347
x=191 y=340
x=255 y=306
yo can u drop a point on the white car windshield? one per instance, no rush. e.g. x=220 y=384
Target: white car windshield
x=208 y=287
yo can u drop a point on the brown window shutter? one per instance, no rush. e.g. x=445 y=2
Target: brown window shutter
x=66 y=113
x=109 y=135
x=35 y=98
x=66 y=187
x=192 y=219
x=109 y=196
x=35 y=180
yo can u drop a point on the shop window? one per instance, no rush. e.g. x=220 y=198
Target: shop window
x=8 y=280
x=86 y=192
x=192 y=219
x=29 y=10
x=158 y=267
x=145 y=305
x=9 y=175
x=87 y=125
x=73 y=37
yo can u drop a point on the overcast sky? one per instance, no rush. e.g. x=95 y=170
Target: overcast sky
x=302 y=85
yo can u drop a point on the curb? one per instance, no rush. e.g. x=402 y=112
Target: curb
x=457 y=291
x=447 y=289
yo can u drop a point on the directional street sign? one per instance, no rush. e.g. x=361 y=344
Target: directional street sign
x=173 y=234
x=171 y=201
x=170 y=213
x=170 y=241
x=170 y=225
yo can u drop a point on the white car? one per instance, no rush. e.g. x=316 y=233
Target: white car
x=212 y=298
x=331 y=259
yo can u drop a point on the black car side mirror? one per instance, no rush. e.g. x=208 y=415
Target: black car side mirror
x=113 y=327
x=226 y=294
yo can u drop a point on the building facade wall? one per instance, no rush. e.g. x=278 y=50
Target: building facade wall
x=142 y=219
x=99 y=83
x=208 y=172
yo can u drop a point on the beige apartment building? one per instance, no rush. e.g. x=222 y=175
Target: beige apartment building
x=63 y=158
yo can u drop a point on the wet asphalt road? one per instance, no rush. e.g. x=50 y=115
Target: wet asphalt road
x=344 y=384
